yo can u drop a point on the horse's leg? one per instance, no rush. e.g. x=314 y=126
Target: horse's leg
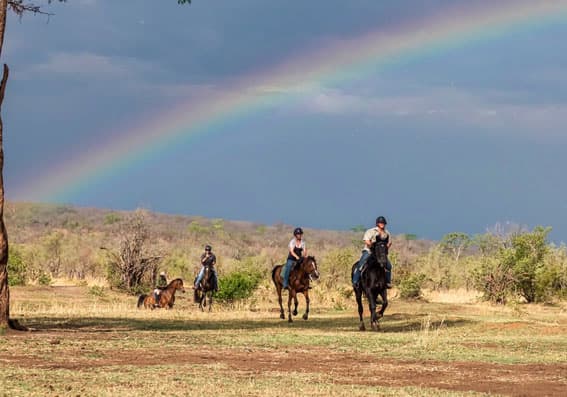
x=279 y=290
x=384 y=295
x=210 y=300
x=295 y=303
x=372 y=306
x=306 y=294
x=358 y=293
x=291 y=295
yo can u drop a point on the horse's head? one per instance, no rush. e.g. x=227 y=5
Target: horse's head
x=380 y=252
x=177 y=284
x=309 y=266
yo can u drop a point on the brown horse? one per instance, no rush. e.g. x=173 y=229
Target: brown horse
x=205 y=288
x=166 y=297
x=299 y=280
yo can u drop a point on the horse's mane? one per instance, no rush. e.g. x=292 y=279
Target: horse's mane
x=374 y=258
x=172 y=281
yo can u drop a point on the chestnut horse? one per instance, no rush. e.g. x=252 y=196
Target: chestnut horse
x=300 y=278
x=372 y=283
x=166 y=297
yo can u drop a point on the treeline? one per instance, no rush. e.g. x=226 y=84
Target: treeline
x=128 y=249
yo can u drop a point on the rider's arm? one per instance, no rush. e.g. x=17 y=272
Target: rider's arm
x=368 y=238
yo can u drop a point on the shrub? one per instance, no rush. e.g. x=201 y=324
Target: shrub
x=517 y=268
x=336 y=266
x=17 y=268
x=495 y=280
x=112 y=218
x=410 y=285
x=44 y=279
x=238 y=285
x=551 y=278
x=97 y=291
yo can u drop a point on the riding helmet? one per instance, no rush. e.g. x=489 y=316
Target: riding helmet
x=297 y=230
x=208 y=248
x=381 y=219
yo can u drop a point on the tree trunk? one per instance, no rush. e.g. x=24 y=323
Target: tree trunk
x=4 y=290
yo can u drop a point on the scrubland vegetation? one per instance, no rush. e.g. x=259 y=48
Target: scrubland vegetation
x=126 y=250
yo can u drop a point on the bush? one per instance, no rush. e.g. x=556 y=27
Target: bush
x=336 y=266
x=44 y=279
x=17 y=268
x=551 y=278
x=517 y=268
x=410 y=285
x=111 y=218
x=97 y=291
x=495 y=280
x=238 y=285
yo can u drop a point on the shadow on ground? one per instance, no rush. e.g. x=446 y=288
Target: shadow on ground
x=395 y=323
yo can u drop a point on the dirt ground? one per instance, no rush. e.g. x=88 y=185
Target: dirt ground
x=340 y=368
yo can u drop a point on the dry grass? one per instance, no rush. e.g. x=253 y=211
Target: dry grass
x=101 y=345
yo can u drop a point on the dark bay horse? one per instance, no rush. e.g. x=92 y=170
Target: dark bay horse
x=166 y=297
x=204 y=289
x=299 y=280
x=373 y=283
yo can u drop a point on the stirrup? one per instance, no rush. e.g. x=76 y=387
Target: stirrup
x=389 y=286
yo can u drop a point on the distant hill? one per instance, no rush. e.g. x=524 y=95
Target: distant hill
x=66 y=239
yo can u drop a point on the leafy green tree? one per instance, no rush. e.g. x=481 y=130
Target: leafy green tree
x=358 y=229
x=455 y=244
x=526 y=258
x=514 y=269
x=17 y=268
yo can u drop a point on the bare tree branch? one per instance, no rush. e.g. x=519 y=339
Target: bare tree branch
x=20 y=7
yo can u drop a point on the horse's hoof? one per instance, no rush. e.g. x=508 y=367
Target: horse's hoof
x=361 y=327
x=305 y=316
x=282 y=316
x=289 y=320
x=374 y=326
x=295 y=312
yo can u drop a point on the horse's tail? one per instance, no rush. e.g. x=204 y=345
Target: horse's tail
x=274 y=274
x=141 y=300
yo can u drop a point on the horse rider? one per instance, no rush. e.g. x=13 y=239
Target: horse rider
x=161 y=284
x=208 y=259
x=297 y=250
x=375 y=234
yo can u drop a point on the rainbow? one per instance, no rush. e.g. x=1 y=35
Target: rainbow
x=337 y=63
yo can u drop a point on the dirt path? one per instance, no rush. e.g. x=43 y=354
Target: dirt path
x=341 y=368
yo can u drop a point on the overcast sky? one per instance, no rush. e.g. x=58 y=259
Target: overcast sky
x=457 y=140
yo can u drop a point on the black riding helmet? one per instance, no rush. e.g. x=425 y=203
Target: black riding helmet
x=297 y=230
x=381 y=219
x=208 y=248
